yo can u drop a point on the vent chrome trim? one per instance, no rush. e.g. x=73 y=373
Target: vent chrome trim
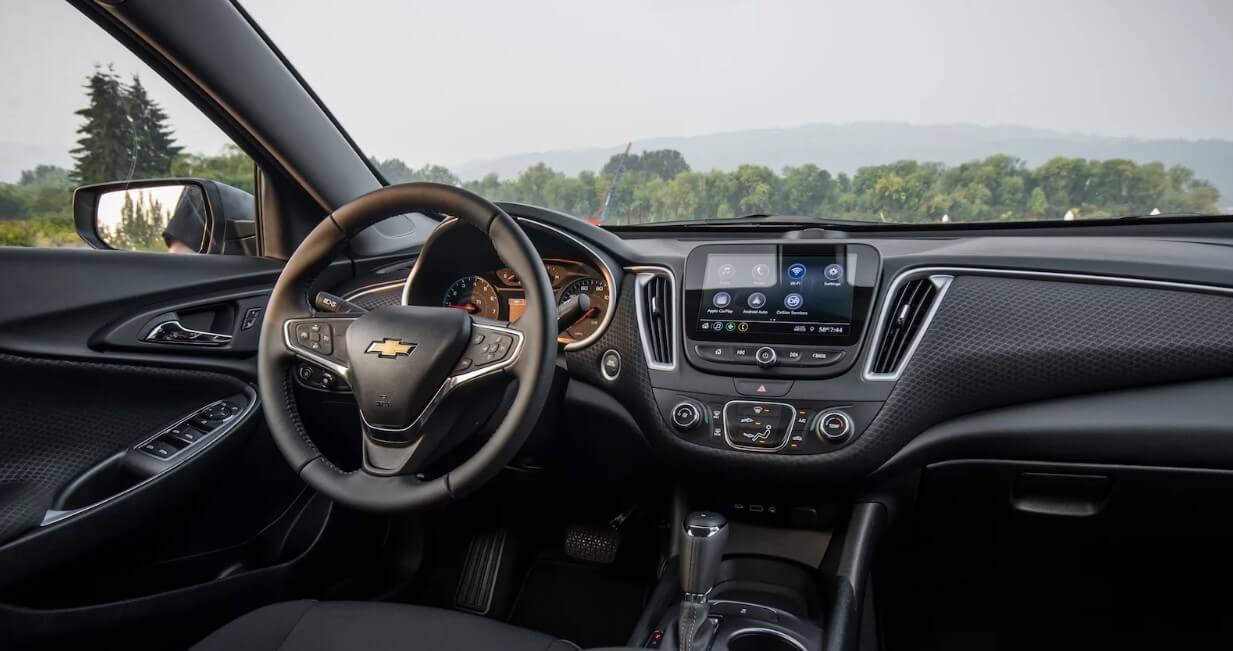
x=953 y=272
x=643 y=275
x=941 y=282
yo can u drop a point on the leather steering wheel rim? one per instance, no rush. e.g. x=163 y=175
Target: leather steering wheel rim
x=532 y=366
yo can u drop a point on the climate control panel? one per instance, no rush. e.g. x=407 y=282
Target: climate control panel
x=784 y=426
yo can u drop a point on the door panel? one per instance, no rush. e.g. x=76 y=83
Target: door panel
x=84 y=393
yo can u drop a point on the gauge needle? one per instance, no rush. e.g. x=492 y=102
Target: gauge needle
x=470 y=308
x=585 y=315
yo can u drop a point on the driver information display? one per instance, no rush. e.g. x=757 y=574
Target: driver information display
x=748 y=294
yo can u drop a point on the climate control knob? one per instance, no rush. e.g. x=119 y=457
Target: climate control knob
x=686 y=415
x=833 y=426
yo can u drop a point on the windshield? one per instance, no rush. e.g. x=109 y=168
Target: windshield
x=897 y=112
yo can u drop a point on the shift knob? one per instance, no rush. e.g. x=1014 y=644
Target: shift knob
x=702 y=549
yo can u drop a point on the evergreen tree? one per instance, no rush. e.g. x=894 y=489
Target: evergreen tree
x=154 y=146
x=104 y=150
x=141 y=224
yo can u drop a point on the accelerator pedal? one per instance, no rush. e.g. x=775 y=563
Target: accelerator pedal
x=480 y=571
x=595 y=544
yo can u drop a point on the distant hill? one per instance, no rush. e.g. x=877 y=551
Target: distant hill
x=846 y=147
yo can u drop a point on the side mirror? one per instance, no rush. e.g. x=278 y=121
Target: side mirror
x=166 y=215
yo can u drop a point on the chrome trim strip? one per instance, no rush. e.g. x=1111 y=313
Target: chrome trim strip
x=786 y=437
x=373 y=289
x=596 y=260
x=942 y=283
x=953 y=271
x=643 y=276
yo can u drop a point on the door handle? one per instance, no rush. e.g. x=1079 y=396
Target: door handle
x=174 y=332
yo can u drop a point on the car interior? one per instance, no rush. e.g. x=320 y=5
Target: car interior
x=405 y=416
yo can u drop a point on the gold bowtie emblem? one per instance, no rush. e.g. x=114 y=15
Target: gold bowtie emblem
x=390 y=348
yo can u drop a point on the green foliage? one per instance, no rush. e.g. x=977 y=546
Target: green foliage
x=396 y=171
x=663 y=163
x=997 y=188
x=141 y=224
x=231 y=166
x=124 y=133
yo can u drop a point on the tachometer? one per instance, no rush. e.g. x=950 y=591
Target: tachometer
x=597 y=291
x=475 y=296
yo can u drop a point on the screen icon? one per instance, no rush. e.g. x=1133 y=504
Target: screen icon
x=833 y=272
x=726 y=271
x=730 y=326
x=742 y=327
x=761 y=272
x=796 y=271
x=756 y=300
x=722 y=299
x=793 y=301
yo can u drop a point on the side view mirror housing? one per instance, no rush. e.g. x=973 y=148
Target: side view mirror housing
x=166 y=215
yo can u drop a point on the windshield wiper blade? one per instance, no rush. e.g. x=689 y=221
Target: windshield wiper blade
x=755 y=219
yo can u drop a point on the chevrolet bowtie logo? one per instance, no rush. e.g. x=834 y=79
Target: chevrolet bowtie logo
x=390 y=348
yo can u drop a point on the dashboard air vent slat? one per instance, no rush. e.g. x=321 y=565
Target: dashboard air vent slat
x=656 y=315
x=902 y=322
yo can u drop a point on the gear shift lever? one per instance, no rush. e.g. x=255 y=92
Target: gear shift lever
x=702 y=549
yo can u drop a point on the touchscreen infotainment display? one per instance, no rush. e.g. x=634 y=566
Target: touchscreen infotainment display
x=775 y=293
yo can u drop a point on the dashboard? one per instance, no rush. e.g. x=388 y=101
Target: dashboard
x=827 y=355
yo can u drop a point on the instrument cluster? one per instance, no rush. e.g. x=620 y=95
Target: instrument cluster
x=498 y=295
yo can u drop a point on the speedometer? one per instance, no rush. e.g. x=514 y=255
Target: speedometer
x=586 y=325
x=475 y=296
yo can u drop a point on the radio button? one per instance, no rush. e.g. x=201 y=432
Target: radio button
x=743 y=354
x=715 y=353
x=765 y=388
x=790 y=356
x=815 y=357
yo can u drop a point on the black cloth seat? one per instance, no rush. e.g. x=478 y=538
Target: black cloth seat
x=345 y=625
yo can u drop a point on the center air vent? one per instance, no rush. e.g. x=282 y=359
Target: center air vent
x=903 y=321
x=655 y=323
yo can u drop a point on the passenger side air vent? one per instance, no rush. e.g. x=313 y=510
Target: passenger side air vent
x=903 y=321
x=655 y=317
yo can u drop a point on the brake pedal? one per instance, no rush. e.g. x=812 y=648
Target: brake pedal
x=480 y=571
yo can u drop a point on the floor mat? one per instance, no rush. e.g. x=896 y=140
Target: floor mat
x=590 y=605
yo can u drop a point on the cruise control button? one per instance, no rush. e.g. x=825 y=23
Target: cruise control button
x=821 y=357
x=715 y=353
x=769 y=388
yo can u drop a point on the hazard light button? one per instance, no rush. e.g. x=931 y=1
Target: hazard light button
x=763 y=388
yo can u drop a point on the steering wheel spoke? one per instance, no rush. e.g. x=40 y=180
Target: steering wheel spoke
x=321 y=340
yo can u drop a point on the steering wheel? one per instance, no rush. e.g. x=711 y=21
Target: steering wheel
x=406 y=363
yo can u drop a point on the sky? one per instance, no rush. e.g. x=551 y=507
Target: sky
x=459 y=80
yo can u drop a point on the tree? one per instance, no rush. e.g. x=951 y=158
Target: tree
x=141 y=224
x=662 y=163
x=231 y=166
x=104 y=150
x=154 y=146
x=1037 y=203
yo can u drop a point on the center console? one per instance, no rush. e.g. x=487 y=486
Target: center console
x=775 y=318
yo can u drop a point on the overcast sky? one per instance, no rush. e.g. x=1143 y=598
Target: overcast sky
x=450 y=81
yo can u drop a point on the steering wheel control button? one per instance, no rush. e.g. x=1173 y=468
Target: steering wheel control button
x=610 y=365
x=686 y=416
x=753 y=425
x=821 y=357
x=463 y=364
x=766 y=357
x=763 y=388
x=833 y=426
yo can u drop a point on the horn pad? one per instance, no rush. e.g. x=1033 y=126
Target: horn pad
x=399 y=357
